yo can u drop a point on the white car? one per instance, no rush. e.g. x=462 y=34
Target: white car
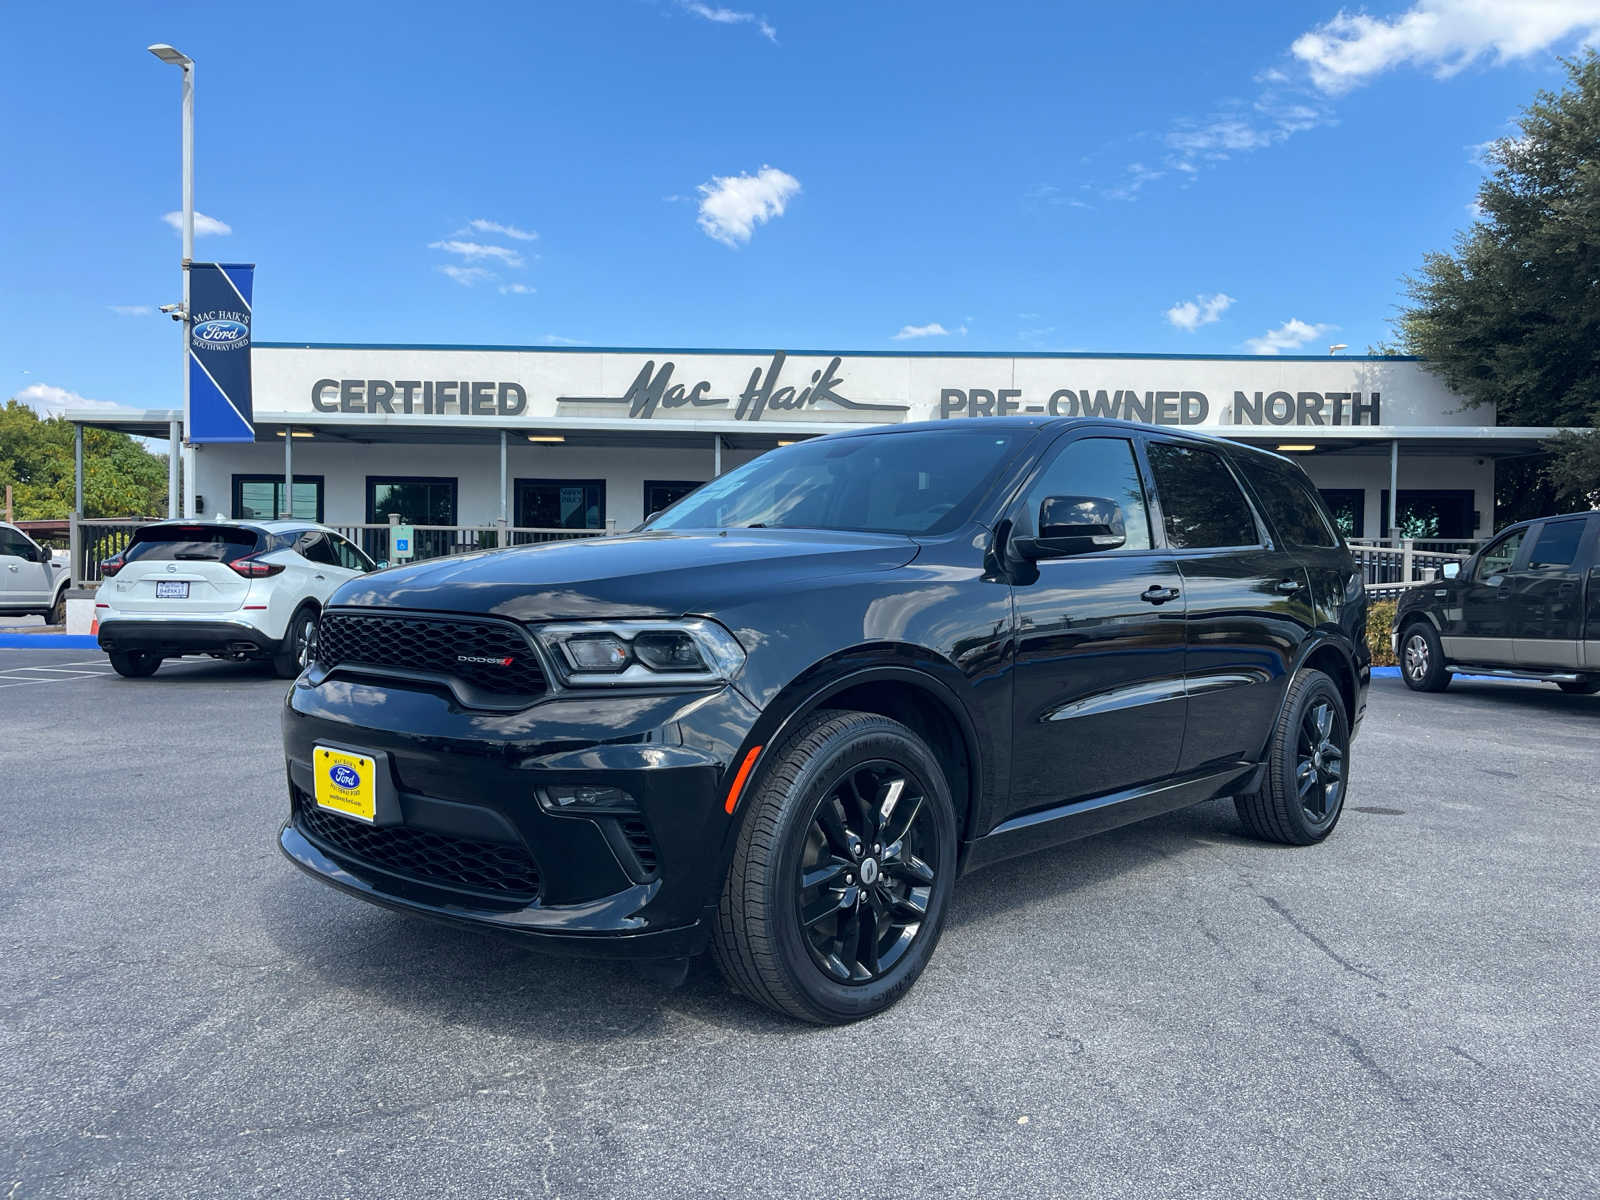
x=231 y=589
x=31 y=581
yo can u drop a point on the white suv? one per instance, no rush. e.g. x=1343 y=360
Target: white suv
x=230 y=589
x=30 y=580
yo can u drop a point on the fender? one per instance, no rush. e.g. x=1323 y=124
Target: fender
x=848 y=669
x=1336 y=638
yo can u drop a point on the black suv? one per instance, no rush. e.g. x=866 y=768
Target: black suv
x=1526 y=605
x=785 y=716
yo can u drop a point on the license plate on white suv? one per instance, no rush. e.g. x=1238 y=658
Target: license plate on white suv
x=172 y=589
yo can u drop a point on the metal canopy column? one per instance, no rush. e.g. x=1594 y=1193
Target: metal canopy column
x=716 y=455
x=1394 y=487
x=288 y=473
x=74 y=535
x=174 y=449
x=502 y=540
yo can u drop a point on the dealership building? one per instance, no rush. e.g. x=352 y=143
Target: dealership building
x=501 y=437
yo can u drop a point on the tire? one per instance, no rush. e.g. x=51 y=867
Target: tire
x=1422 y=659
x=818 y=807
x=134 y=664
x=57 y=613
x=1583 y=687
x=299 y=644
x=1308 y=766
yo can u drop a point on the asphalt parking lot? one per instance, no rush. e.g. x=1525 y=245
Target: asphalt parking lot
x=1170 y=1009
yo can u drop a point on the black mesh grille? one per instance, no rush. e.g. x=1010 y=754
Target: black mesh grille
x=499 y=868
x=638 y=835
x=437 y=644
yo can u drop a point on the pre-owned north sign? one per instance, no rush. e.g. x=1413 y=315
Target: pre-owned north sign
x=514 y=387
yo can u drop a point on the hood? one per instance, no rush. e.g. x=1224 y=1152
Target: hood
x=646 y=574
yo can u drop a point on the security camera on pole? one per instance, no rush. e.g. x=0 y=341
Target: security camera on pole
x=180 y=312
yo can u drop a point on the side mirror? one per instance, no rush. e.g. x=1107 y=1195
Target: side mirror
x=1070 y=525
x=381 y=564
x=40 y=554
x=1450 y=570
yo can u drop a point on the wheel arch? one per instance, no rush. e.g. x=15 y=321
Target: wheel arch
x=1333 y=658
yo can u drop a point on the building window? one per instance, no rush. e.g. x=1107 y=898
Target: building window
x=659 y=493
x=1349 y=509
x=260 y=497
x=561 y=503
x=415 y=499
x=1435 y=514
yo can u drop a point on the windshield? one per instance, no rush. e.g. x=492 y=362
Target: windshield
x=914 y=483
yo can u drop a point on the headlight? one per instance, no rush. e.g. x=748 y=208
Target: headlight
x=590 y=653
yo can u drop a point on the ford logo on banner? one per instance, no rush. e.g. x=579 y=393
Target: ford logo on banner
x=344 y=777
x=224 y=335
x=219 y=352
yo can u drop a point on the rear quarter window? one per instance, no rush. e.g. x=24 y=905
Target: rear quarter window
x=192 y=543
x=1291 y=504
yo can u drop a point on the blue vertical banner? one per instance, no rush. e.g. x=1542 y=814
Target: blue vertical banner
x=219 y=352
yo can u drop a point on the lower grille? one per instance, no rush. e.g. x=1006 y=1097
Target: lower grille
x=498 y=868
x=639 y=841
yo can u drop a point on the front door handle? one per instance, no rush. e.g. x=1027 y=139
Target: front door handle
x=1156 y=594
x=1288 y=586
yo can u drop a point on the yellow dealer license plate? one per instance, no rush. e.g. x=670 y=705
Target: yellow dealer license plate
x=346 y=783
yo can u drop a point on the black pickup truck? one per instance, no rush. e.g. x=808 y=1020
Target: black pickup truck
x=1526 y=605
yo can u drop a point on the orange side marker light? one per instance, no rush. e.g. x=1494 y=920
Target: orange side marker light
x=739 y=779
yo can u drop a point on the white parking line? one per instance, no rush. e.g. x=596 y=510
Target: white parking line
x=19 y=677
x=57 y=670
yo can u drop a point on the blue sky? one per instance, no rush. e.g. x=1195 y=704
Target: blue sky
x=999 y=176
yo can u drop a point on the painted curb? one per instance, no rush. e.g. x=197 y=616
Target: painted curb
x=47 y=641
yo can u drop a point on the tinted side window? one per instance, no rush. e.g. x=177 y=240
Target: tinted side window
x=1290 y=504
x=12 y=542
x=1557 y=545
x=350 y=558
x=1200 y=502
x=1100 y=467
x=313 y=547
x=1497 y=559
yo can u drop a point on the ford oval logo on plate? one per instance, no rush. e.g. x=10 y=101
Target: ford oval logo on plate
x=222 y=333
x=344 y=777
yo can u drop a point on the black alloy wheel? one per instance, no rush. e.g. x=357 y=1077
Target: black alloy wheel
x=864 y=876
x=1319 y=763
x=842 y=874
x=1308 y=765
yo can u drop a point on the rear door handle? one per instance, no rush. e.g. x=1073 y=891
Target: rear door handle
x=1288 y=586
x=1156 y=594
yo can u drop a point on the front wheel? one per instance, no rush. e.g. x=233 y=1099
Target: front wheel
x=843 y=871
x=1308 y=766
x=58 y=610
x=299 y=645
x=1422 y=659
x=134 y=664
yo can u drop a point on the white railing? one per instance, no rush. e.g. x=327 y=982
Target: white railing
x=1393 y=564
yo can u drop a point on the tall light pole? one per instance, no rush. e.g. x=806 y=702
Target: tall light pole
x=176 y=58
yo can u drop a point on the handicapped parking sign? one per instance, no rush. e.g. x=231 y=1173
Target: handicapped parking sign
x=402 y=542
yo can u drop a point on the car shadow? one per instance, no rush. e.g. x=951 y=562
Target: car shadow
x=1528 y=696
x=495 y=983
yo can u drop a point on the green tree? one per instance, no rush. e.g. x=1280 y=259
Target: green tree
x=1512 y=316
x=120 y=477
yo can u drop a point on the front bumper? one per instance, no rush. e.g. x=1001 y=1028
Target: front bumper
x=169 y=638
x=463 y=836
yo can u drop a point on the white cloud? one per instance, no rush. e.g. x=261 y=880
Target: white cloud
x=729 y=16
x=922 y=331
x=1442 y=35
x=473 y=251
x=1134 y=181
x=555 y=339
x=1291 y=335
x=131 y=310
x=467 y=276
x=516 y=289
x=204 y=226
x=1189 y=315
x=731 y=206
x=479 y=225
x=50 y=401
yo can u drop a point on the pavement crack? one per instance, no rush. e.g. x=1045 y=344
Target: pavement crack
x=1283 y=911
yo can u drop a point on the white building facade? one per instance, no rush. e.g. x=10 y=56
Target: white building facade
x=589 y=438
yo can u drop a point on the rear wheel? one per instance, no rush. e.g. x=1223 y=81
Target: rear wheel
x=1308 y=764
x=1582 y=687
x=843 y=871
x=1422 y=659
x=134 y=664
x=299 y=645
